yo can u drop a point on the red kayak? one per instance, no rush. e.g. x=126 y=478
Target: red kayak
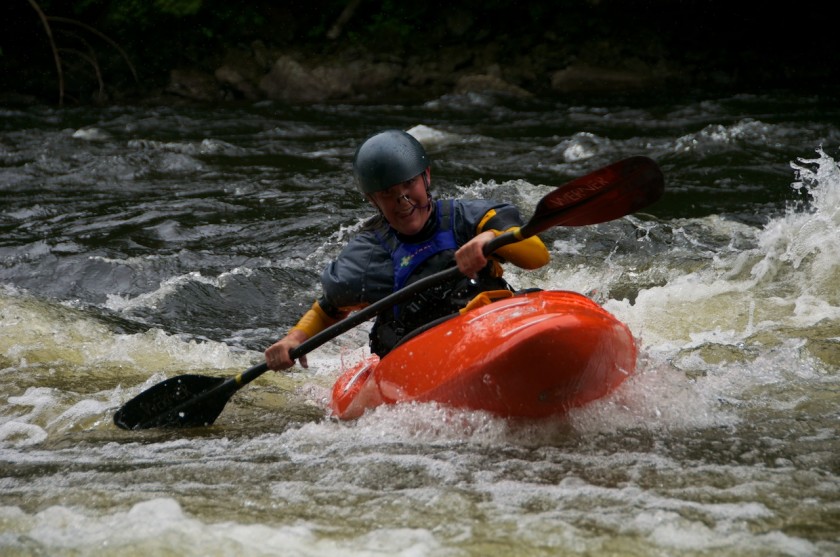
x=532 y=355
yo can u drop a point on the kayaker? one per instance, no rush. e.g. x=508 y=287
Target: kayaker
x=411 y=237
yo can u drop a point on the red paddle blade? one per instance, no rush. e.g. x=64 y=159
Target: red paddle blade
x=612 y=192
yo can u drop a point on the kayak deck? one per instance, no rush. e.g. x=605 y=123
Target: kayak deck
x=531 y=356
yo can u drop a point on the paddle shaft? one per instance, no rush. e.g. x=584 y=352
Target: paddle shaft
x=375 y=308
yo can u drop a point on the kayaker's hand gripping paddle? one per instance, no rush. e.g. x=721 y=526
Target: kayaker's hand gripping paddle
x=612 y=192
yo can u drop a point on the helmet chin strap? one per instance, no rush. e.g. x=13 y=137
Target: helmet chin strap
x=404 y=197
x=428 y=205
x=414 y=206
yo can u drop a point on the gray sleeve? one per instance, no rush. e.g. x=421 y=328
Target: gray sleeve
x=361 y=274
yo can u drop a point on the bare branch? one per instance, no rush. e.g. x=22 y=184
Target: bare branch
x=342 y=20
x=57 y=58
x=101 y=36
x=90 y=59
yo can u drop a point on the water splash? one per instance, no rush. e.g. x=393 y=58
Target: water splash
x=808 y=240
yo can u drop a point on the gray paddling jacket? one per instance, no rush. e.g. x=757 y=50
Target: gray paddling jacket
x=379 y=261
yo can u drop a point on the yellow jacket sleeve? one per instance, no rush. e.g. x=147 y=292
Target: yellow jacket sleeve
x=314 y=321
x=529 y=253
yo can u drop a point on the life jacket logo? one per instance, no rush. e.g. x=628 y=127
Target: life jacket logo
x=406 y=261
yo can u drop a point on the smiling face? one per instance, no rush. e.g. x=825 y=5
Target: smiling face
x=405 y=205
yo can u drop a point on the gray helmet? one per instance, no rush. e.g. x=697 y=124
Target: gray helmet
x=388 y=158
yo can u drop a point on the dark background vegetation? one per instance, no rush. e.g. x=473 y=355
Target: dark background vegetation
x=125 y=49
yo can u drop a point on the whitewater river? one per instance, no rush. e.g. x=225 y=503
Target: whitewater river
x=141 y=243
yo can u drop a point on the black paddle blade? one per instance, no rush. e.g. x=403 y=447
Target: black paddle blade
x=612 y=192
x=182 y=401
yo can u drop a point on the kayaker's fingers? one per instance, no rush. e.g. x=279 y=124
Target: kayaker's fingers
x=467 y=263
x=469 y=271
x=277 y=355
x=470 y=257
x=303 y=363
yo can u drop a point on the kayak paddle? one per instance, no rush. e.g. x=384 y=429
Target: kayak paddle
x=612 y=192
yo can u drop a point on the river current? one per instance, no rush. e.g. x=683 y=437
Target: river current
x=139 y=243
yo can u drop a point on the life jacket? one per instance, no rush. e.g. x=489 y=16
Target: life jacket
x=437 y=252
x=407 y=257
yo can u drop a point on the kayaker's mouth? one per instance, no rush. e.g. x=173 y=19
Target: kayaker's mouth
x=414 y=206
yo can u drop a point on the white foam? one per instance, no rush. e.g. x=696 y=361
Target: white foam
x=20 y=434
x=161 y=525
x=808 y=240
x=431 y=137
x=91 y=134
x=203 y=147
x=152 y=299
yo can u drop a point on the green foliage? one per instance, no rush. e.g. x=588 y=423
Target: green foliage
x=179 y=7
x=397 y=20
x=141 y=12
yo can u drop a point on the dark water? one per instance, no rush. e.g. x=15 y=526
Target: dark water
x=140 y=243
